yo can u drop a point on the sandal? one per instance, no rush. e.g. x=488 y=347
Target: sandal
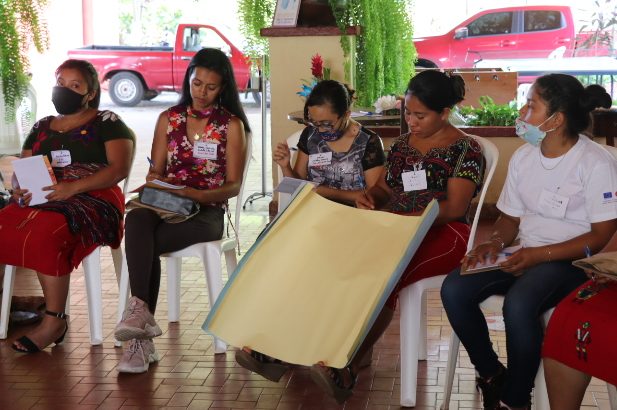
x=262 y=364
x=332 y=381
x=30 y=346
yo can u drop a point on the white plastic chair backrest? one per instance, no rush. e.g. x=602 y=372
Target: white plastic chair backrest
x=125 y=185
x=249 y=152
x=491 y=156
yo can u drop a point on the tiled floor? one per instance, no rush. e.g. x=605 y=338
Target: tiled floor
x=76 y=375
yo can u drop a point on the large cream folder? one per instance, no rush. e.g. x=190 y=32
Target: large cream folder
x=34 y=173
x=311 y=286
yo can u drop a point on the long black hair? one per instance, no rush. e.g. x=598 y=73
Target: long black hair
x=564 y=93
x=215 y=60
x=89 y=73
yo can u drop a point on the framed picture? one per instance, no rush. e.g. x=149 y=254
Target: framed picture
x=286 y=13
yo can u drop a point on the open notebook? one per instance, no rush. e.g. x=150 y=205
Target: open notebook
x=311 y=286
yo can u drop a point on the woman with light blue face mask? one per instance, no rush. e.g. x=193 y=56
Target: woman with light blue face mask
x=558 y=200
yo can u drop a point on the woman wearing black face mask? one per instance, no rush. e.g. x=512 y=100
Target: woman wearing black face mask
x=334 y=151
x=90 y=152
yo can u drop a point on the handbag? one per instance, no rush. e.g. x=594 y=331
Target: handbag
x=169 y=207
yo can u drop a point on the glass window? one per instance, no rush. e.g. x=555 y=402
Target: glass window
x=538 y=20
x=195 y=40
x=493 y=23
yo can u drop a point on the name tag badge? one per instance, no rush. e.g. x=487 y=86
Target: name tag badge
x=60 y=158
x=552 y=204
x=205 y=150
x=321 y=159
x=414 y=180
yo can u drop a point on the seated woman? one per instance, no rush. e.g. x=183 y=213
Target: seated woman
x=580 y=341
x=334 y=151
x=90 y=152
x=338 y=154
x=552 y=201
x=210 y=120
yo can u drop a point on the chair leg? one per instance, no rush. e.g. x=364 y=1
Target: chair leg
x=7 y=295
x=422 y=353
x=612 y=396
x=214 y=276
x=410 y=317
x=174 y=270
x=92 y=275
x=540 y=393
x=124 y=290
x=450 y=368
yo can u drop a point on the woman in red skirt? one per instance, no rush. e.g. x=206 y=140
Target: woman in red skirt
x=90 y=152
x=581 y=341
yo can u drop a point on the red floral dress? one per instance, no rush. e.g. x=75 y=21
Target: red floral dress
x=198 y=173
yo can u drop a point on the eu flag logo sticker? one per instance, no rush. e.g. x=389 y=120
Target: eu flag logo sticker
x=608 y=195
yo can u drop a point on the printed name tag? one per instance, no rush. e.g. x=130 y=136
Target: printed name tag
x=414 y=180
x=321 y=159
x=60 y=158
x=204 y=150
x=552 y=204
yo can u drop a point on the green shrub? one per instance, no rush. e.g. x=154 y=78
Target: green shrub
x=490 y=113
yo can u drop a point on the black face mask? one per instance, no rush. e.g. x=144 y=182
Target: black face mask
x=66 y=100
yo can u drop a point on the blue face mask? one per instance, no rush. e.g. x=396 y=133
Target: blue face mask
x=531 y=133
x=330 y=135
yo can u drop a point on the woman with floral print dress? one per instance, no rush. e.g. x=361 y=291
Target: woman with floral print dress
x=90 y=152
x=201 y=144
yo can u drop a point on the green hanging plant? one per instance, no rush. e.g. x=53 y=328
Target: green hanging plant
x=255 y=15
x=21 y=27
x=385 y=53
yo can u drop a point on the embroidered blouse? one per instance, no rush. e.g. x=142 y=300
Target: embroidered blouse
x=461 y=159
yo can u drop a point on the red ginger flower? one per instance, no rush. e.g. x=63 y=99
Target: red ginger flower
x=317 y=66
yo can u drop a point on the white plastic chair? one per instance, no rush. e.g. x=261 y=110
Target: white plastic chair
x=413 y=297
x=210 y=255
x=540 y=395
x=94 y=290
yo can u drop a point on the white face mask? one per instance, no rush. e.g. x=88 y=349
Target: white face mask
x=531 y=133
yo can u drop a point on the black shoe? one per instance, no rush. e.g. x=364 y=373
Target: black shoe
x=491 y=389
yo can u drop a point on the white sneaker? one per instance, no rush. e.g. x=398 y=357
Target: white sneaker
x=138 y=356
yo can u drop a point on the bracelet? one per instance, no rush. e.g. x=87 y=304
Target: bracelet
x=499 y=239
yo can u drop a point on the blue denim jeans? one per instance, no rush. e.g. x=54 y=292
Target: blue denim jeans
x=526 y=298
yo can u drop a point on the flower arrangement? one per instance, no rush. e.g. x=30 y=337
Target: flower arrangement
x=319 y=73
x=387 y=105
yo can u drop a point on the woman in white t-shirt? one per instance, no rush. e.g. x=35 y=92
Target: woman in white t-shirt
x=560 y=202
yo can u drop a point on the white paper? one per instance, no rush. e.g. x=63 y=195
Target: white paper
x=487 y=265
x=33 y=174
x=167 y=185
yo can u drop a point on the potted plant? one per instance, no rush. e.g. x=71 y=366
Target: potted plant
x=21 y=27
x=490 y=119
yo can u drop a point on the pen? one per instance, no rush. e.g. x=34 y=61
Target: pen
x=151 y=163
x=293 y=148
x=587 y=251
x=366 y=112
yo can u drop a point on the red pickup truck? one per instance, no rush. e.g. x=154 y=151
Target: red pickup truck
x=141 y=73
x=504 y=33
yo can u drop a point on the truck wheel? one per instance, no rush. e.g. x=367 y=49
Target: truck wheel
x=126 y=89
